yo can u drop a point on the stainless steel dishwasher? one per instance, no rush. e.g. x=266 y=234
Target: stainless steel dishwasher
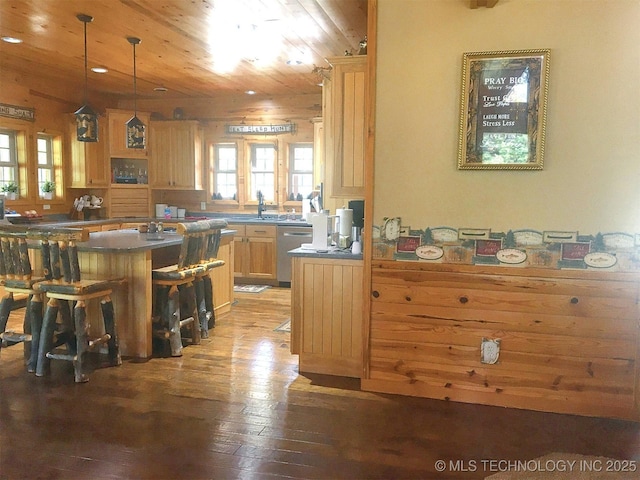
x=290 y=237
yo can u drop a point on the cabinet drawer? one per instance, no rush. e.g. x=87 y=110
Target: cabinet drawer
x=261 y=231
x=240 y=230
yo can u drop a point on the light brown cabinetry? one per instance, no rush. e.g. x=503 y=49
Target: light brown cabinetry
x=345 y=125
x=129 y=201
x=89 y=160
x=176 y=155
x=568 y=339
x=117 y=120
x=255 y=252
x=326 y=315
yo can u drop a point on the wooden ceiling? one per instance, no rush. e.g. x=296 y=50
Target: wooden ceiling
x=183 y=45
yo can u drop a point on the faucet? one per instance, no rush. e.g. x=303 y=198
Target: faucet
x=261 y=206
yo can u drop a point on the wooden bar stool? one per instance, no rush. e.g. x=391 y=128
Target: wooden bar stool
x=176 y=296
x=62 y=284
x=203 y=284
x=16 y=276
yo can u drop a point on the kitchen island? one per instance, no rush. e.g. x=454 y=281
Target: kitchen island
x=326 y=311
x=132 y=255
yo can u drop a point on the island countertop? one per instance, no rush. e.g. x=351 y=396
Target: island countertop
x=130 y=240
x=341 y=254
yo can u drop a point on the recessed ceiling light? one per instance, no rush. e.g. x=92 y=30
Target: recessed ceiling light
x=160 y=89
x=11 y=40
x=294 y=62
x=99 y=69
x=250 y=92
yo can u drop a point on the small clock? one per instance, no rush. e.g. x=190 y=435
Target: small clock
x=390 y=230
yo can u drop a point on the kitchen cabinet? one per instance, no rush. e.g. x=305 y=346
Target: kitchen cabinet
x=176 y=155
x=345 y=125
x=117 y=120
x=563 y=341
x=129 y=201
x=326 y=315
x=89 y=165
x=255 y=252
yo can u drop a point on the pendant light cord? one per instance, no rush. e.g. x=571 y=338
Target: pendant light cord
x=86 y=64
x=135 y=94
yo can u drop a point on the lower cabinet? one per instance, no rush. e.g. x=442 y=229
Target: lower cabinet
x=255 y=252
x=563 y=341
x=326 y=315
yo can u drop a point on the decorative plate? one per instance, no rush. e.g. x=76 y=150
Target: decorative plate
x=600 y=260
x=511 y=256
x=429 y=252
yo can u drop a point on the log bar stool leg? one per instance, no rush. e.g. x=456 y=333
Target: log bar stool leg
x=172 y=321
x=110 y=328
x=202 y=308
x=5 y=310
x=188 y=292
x=208 y=300
x=82 y=341
x=35 y=315
x=46 y=337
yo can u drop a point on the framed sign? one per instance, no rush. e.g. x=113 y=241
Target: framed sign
x=503 y=110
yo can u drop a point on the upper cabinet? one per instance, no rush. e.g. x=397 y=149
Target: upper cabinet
x=117 y=120
x=89 y=165
x=345 y=125
x=176 y=155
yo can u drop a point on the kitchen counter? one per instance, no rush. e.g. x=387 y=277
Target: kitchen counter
x=131 y=255
x=336 y=253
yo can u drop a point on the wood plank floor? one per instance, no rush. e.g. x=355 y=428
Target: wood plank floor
x=235 y=407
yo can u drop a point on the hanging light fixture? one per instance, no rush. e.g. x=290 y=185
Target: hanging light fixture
x=136 y=137
x=86 y=117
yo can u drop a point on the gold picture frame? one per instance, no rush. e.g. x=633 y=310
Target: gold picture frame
x=503 y=110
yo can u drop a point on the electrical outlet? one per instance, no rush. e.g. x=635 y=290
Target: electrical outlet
x=203 y=205
x=46 y=207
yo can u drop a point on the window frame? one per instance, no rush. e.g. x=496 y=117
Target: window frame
x=14 y=163
x=251 y=184
x=292 y=171
x=216 y=170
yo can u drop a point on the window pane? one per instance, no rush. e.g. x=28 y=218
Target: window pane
x=45 y=160
x=226 y=171
x=8 y=157
x=301 y=170
x=263 y=158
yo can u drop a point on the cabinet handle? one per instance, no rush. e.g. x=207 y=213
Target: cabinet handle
x=463 y=300
x=375 y=294
x=574 y=300
x=260 y=231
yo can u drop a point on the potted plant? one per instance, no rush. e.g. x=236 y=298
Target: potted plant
x=48 y=188
x=10 y=190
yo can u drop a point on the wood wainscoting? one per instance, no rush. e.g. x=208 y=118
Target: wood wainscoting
x=568 y=338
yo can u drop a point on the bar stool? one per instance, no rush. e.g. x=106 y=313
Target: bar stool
x=62 y=284
x=176 y=297
x=203 y=284
x=16 y=276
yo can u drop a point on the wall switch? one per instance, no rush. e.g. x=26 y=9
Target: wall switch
x=203 y=205
x=46 y=207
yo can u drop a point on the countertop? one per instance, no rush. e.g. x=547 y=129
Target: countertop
x=334 y=253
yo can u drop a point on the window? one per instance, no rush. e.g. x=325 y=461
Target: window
x=263 y=174
x=8 y=157
x=300 y=170
x=226 y=172
x=45 y=160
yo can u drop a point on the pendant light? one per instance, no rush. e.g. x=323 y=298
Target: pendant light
x=136 y=137
x=86 y=117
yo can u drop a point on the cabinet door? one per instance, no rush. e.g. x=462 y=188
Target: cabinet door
x=160 y=159
x=176 y=157
x=346 y=135
x=118 y=134
x=183 y=149
x=89 y=167
x=261 y=257
x=238 y=249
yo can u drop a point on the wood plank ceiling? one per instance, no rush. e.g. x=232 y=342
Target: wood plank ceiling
x=193 y=48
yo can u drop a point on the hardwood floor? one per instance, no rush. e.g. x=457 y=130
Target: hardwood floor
x=235 y=407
